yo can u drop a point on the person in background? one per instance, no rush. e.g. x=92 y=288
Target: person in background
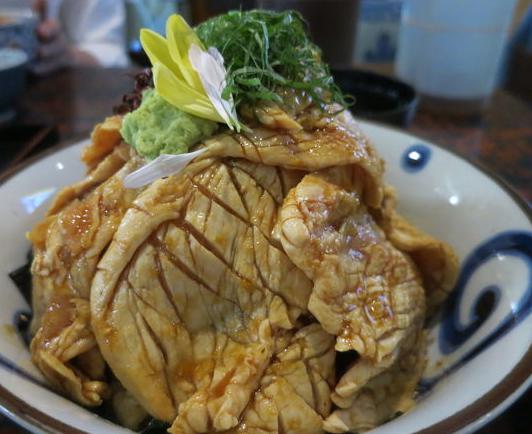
x=80 y=32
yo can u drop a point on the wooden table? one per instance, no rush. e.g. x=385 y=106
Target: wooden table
x=74 y=100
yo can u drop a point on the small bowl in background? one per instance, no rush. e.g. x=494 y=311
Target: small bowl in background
x=17 y=30
x=377 y=97
x=13 y=66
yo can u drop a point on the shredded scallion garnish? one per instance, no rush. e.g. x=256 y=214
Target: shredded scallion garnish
x=266 y=52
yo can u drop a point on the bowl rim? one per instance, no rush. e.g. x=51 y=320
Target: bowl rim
x=507 y=391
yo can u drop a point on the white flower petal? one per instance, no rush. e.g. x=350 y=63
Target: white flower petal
x=163 y=165
x=213 y=51
x=210 y=68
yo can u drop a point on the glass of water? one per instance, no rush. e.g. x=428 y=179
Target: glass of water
x=451 y=51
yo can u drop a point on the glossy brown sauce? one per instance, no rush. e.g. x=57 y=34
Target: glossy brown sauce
x=58 y=316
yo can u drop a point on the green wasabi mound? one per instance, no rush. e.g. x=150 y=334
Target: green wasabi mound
x=157 y=127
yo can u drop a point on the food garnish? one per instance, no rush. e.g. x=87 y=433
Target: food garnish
x=268 y=58
x=186 y=74
x=157 y=127
x=267 y=53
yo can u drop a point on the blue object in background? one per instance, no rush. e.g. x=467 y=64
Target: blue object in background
x=378 y=28
x=415 y=158
x=523 y=35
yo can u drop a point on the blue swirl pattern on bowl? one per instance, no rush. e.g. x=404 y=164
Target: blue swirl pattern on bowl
x=453 y=334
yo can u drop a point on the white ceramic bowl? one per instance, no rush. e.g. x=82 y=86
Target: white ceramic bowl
x=480 y=357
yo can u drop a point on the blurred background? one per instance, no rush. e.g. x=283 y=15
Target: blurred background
x=455 y=72
x=453 y=53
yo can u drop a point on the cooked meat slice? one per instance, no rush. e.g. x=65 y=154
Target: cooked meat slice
x=70 y=247
x=272 y=116
x=436 y=260
x=277 y=408
x=322 y=144
x=126 y=408
x=193 y=290
x=65 y=257
x=103 y=171
x=356 y=377
x=107 y=168
x=65 y=335
x=366 y=292
x=104 y=138
x=227 y=390
x=386 y=395
x=293 y=396
x=254 y=192
x=307 y=364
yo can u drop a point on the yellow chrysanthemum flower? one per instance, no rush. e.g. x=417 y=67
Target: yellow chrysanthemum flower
x=186 y=74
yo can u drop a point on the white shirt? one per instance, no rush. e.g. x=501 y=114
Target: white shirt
x=95 y=26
